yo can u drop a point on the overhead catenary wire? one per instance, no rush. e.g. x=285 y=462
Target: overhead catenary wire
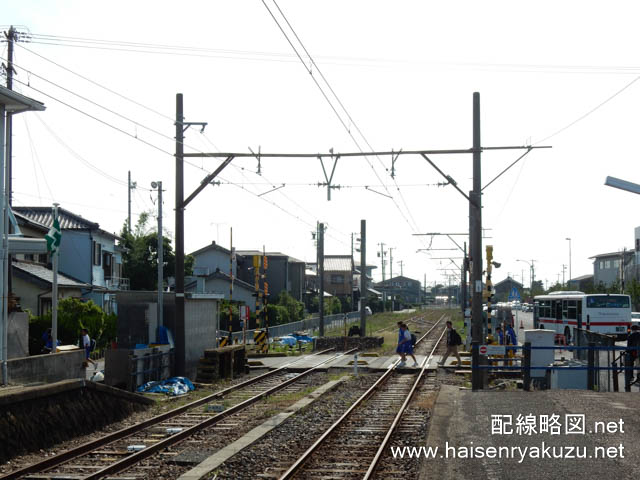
x=325 y=96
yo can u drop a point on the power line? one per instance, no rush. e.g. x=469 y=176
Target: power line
x=582 y=117
x=324 y=94
x=97 y=84
x=95 y=118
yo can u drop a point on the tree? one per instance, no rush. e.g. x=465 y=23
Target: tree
x=295 y=309
x=140 y=257
x=632 y=288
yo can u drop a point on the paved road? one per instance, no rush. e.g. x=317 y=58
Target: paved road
x=463 y=419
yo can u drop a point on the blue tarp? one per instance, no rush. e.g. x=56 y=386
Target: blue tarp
x=293 y=339
x=171 y=386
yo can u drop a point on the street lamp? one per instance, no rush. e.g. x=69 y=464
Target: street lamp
x=569 y=239
x=531 y=272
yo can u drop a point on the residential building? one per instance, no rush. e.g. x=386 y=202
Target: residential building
x=88 y=255
x=284 y=273
x=338 y=275
x=211 y=275
x=405 y=289
x=32 y=284
x=608 y=267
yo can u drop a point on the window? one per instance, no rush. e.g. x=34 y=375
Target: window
x=601 y=264
x=608 y=301
x=337 y=279
x=607 y=264
x=97 y=253
x=616 y=263
x=43 y=258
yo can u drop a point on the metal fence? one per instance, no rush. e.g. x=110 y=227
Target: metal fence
x=603 y=356
x=310 y=325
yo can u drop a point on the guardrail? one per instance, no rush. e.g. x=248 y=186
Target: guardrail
x=309 y=324
x=595 y=377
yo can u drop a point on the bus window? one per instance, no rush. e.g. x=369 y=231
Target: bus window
x=572 y=313
x=608 y=301
x=558 y=307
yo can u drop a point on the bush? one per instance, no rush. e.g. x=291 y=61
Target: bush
x=74 y=315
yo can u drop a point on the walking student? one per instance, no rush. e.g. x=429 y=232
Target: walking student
x=453 y=340
x=86 y=344
x=405 y=345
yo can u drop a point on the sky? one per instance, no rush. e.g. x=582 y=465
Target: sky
x=399 y=75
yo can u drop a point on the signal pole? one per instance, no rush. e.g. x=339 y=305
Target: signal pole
x=180 y=325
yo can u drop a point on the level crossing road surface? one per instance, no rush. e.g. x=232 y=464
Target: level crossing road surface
x=464 y=419
x=342 y=362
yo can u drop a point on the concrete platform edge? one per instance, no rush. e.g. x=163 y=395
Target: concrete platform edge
x=439 y=431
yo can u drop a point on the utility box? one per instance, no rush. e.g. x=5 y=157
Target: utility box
x=566 y=378
x=540 y=358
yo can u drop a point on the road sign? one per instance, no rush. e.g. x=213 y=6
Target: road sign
x=492 y=349
x=514 y=294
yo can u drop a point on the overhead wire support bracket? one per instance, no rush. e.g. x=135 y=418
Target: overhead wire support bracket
x=259 y=172
x=333 y=170
x=272 y=190
x=394 y=157
x=207 y=181
x=447 y=177
x=505 y=170
x=366 y=187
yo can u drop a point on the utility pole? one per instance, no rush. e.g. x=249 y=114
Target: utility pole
x=465 y=266
x=363 y=278
x=180 y=323
x=475 y=234
x=564 y=267
x=390 y=277
x=11 y=37
x=131 y=186
x=321 y=280
x=401 y=269
x=382 y=259
x=158 y=185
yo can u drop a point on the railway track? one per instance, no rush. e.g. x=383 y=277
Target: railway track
x=122 y=450
x=354 y=445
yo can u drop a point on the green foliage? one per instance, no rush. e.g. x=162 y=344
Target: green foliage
x=277 y=314
x=140 y=257
x=632 y=288
x=295 y=309
x=74 y=315
x=332 y=306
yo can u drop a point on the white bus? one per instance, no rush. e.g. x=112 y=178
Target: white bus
x=607 y=314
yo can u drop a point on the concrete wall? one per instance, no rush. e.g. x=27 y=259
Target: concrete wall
x=18 y=335
x=46 y=368
x=137 y=322
x=295 y=284
x=200 y=319
x=75 y=255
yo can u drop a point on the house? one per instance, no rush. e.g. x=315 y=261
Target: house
x=338 y=275
x=503 y=288
x=32 y=283
x=88 y=254
x=211 y=266
x=608 y=267
x=401 y=288
x=284 y=273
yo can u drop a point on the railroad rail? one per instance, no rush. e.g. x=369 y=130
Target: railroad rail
x=352 y=446
x=165 y=430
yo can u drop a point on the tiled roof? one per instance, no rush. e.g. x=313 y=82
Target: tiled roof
x=337 y=263
x=43 y=273
x=68 y=220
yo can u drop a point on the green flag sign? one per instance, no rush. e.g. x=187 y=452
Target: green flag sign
x=53 y=237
